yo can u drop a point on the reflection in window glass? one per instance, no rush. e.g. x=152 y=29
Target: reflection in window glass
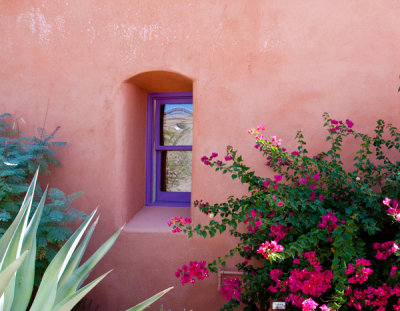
x=176 y=171
x=176 y=125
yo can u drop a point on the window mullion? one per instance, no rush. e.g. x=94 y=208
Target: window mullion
x=172 y=148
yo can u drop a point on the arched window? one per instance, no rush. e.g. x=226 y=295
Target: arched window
x=169 y=148
x=169 y=128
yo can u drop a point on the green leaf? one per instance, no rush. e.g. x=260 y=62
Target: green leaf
x=57 y=234
x=46 y=293
x=25 y=276
x=141 y=306
x=15 y=242
x=79 y=275
x=8 y=273
x=77 y=256
x=69 y=302
x=9 y=234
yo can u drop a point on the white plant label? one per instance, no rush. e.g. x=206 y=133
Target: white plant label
x=278 y=305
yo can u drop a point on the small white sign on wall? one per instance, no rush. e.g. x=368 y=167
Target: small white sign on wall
x=278 y=305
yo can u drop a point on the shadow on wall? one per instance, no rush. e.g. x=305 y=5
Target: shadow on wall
x=133 y=131
x=161 y=81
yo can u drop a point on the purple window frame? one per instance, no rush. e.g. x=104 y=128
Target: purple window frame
x=154 y=195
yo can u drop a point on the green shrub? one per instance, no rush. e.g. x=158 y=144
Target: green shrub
x=19 y=158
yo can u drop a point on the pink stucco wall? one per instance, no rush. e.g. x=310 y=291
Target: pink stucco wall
x=283 y=63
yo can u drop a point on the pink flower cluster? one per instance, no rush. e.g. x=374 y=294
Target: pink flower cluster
x=268 y=248
x=312 y=196
x=295 y=300
x=280 y=162
x=393 y=270
x=361 y=271
x=393 y=210
x=277 y=178
x=253 y=221
x=313 y=183
x=386 y=249
x=188 y=274
x=309 y=305
x=231 y=289
x=207 y=160
x=313 y=283
x=338 y=124
x=228 y=157
x=278 y=232
x=280 y=285
x=263 y=142
x=329 y=221
x=178 y=223
x=373 y=297
x=260 y=127
x=305 y=180
x=276 y=142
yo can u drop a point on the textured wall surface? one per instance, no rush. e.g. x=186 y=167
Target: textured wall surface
x=283 y=63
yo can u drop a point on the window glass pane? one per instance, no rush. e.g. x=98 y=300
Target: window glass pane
x=176 y=171
x=176 y=125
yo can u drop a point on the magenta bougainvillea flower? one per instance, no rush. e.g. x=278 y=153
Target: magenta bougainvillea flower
x=393 y=210
x=195 y=270
x=349 y=123
x=267 y=249
x=177 y=223
x=231 y=289
x=360 y=271
x=309 y=305
x=260 y=127
x=329 y=221
x=386 y=249
x=393 y=270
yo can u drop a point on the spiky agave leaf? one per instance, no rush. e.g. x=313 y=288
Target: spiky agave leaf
x=25 y=276
x=12 y=242
x=69 y=302
x=78 y=276
x=77 y=255
x=141 y=306
x=46 y=294
x=9 y=234
x=8 y=273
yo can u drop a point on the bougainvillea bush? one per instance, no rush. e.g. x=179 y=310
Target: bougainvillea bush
x=327 y=237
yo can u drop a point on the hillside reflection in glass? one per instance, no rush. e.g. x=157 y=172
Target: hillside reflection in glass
x=176 y=127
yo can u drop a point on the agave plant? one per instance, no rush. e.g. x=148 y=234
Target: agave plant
x=61 y=286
